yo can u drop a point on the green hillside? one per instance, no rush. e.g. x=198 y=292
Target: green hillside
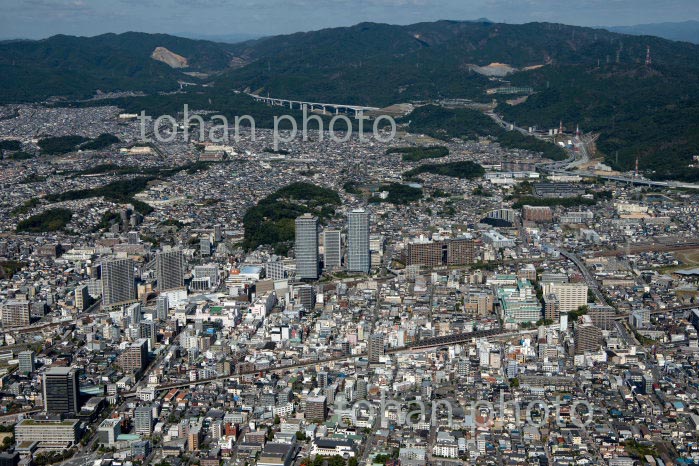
x=77 y=67
x=445 y=123
x=381 y=64
x=649 y=112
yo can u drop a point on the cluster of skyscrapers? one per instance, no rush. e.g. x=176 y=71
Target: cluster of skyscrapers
x=118 y=279
x=307 y=242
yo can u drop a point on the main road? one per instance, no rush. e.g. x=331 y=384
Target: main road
x=589 y=279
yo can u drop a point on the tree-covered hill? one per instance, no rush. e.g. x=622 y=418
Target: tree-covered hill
x=381 y=64
x=645 y=112
x=272 y=220
x=77 y=67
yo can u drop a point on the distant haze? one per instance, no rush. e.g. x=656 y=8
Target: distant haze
x=227 y=38
x=687 y=31
x=230 y=20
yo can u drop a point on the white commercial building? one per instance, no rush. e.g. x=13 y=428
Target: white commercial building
x=570 y=295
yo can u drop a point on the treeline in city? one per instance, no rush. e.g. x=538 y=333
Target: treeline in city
x=462 y=169
x=63 y=144
x=271 y=220
x=415 y=154
x=398 y=194
x=49 y=220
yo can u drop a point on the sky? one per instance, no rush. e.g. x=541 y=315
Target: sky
x=42 y=18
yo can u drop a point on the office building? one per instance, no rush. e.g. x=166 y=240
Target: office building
x=61 y=391
x=16 y=313
x=602 y=315
x=205 y=247
x=332 y=245
x=306 y=247
x=82 y=298
x=108 y=431
x=639 y=382
x=275 y=270
x=52 y=432
x=134 y=313
x=640 y=318
x=527 y=272
x=26 y=362
x=456 y=251
x=194 y=437
x=149 y=331
x=143 y=420
x=200 y=284
x=588 y=337
x=132 y=237
x=169 y=270
x=161 y=307
x=552 y=310
x=376 y=347
x=134 y=359
x=118 y=282
x=358 y=253
x=570 y=295
x=207 y=272
x=307 y=296
x=480 y=302
x=376 y=249
x=316 y=408
x=141 y=450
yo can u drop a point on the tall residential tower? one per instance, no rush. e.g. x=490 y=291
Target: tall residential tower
x=358 y=256
x=306 y=247
x=118 y=282
x=332 y=245
x=169 y=270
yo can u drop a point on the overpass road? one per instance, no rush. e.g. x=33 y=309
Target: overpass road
x=589 y=279
x=312 y=106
